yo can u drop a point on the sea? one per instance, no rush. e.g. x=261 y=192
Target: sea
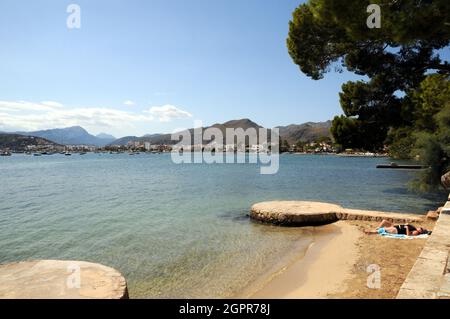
x=180 y=230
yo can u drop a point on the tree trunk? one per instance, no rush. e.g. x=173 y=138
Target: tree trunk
x=445 y=180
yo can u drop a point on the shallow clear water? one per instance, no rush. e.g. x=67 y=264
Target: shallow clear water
x=177 y=230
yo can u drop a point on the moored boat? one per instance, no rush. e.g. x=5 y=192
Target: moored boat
x=401 y=166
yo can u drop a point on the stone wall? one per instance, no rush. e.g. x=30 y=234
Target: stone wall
x=430 y=275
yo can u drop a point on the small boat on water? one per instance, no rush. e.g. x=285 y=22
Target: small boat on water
x=5 y=153
x=67 y=154
x=82 y=153
x=400 y=166
x=37 y=154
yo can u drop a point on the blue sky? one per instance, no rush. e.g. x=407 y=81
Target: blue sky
x=173 y=61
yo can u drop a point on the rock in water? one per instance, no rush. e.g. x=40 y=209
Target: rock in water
x=445 y=180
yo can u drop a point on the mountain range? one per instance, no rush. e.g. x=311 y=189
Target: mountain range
x=307 y=132
x=76 y=135
x=167 y=138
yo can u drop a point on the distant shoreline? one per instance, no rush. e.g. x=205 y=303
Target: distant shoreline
x=224 y=152
x=343 y=154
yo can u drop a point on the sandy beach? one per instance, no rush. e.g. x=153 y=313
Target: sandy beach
x=335 y=265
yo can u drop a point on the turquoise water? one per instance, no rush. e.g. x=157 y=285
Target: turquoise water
x=177 y=230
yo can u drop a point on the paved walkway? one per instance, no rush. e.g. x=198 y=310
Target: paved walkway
x=430 y=275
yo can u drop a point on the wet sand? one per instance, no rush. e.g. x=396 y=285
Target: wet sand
x=322 y=270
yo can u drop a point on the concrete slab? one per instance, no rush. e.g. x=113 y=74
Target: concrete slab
x=446 y=209
x=445 y=286
x=414 y=294
x=430 y=277
x=427 y=275
x=57 y=279
x=434 y=254
x=298 y=213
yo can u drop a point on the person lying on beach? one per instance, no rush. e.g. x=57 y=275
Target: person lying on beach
x=405 y=229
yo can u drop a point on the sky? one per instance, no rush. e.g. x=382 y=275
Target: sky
x=141 y=67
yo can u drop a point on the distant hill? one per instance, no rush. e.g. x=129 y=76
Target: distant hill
x=151 y=138
x=307 y=132
x=124 y=140
x=156 y=139
x=167 y=138
x=242 y=123
x=105 y=138
x=71 y=135
x=19 y=142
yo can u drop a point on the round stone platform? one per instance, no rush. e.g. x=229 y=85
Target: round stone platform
x=303 y=213
x=57 y=279
x=295 y=212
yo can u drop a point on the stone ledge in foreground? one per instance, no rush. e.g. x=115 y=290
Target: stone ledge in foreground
x=430 y=276
x=304 y=213
x=58 y=279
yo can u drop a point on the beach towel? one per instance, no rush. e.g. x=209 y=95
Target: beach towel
x=403 y=236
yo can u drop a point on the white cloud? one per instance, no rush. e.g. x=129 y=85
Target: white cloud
x=129 y=103
x=29 y=116
x=168 y=112
x=52 y=104
x=17 y=106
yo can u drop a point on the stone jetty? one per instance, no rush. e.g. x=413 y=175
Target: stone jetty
x=303 y=213
x=60 y=279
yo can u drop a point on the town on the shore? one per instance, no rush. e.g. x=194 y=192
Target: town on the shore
x=135 y=147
